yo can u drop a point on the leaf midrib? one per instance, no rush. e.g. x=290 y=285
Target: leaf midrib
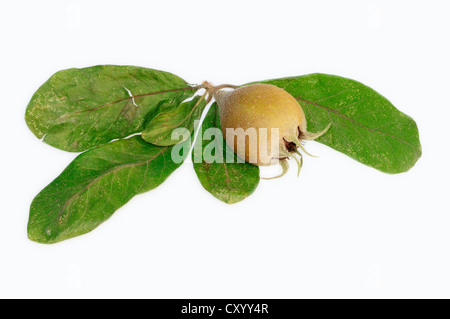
x=188 y=116
x=114 y=170
x=355 y=122
x=125 y=99
x=227 y=177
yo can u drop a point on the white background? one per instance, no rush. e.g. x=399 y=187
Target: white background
x=340 y=230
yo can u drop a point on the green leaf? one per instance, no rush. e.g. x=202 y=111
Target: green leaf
x=229 y=182
x=159 y=129
x=96 y=184
x=365 y=125
x=77 y=109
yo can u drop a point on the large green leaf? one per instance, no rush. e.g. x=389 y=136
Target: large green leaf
x=365 y=125
x=77 y=109
x=229 y=182
x=159 y=130
x=96 y=184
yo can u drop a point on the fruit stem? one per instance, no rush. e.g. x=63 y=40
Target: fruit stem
x=211 y=89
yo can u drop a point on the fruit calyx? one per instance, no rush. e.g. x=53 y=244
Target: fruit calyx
x=289 y=149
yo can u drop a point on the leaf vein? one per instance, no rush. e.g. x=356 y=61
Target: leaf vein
x=357 y=123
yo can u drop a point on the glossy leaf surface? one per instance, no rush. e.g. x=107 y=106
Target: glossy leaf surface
x=159 y=130
x=365 y=125
x=77 y=109
x=95 y=185
x=230 y=182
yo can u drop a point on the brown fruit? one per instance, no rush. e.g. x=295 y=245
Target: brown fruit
x=253 y=114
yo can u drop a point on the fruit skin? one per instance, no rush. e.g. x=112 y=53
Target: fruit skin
x=261 y=106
